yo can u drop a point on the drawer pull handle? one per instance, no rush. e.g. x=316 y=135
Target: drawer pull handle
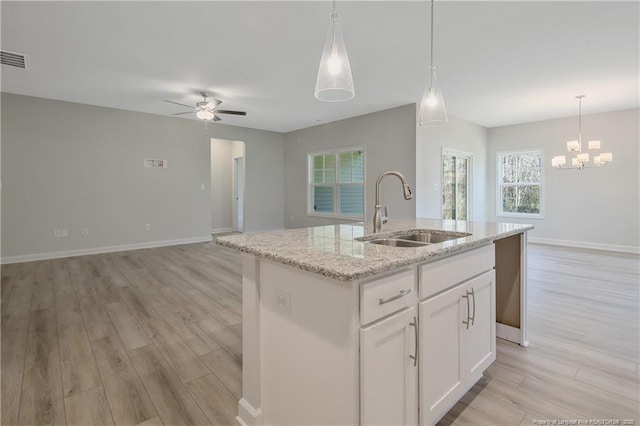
x=396 y=297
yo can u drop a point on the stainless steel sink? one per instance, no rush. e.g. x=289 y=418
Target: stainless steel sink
x=431 y=237
x=395 y=242
x=420 y=238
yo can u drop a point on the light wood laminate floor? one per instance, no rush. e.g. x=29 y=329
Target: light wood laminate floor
x=153 y=337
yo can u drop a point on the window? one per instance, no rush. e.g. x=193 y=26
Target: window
x=456 y=184
x=520 y=179
x=336 y=184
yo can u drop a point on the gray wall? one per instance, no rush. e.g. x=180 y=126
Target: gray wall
x=593 y=207
x=389 y=138
x=459 y=135
x=67 y=165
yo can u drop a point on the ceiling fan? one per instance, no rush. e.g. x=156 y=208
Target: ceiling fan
x=207 y=109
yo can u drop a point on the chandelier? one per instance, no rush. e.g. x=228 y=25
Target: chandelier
x=581 y=160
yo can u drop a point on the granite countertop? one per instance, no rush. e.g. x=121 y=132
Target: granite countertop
x=341 y=252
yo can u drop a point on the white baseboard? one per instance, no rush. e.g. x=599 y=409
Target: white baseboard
x=221 y=230
x=584 y=244
x=98 y=250
x=509 y=333
x=247 y=415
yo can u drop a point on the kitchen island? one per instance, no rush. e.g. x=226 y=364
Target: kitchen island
x=340 y=330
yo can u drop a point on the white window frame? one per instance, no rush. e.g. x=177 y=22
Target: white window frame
x=470 y=157
x=500 y=184
x=336 y=184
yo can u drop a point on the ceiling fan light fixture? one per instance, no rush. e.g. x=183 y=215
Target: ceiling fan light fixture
x=334 y=82
x=204 y=114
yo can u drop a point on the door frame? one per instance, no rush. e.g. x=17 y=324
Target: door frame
x=463 y=154
x=238 y=193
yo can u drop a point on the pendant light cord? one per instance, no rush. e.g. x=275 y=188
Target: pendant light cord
x=432 y=1
x=334 y=16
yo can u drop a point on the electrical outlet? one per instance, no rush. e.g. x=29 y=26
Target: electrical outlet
x=85 y=232
x=57 y=233
x=147 y=227
x=282 y=300
x=202 y=186
x=64 y=233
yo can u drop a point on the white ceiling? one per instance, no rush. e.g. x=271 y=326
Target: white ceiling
x=498 y=63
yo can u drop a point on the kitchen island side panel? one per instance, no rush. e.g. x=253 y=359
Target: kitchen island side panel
x=309 y=346
x=508 y=280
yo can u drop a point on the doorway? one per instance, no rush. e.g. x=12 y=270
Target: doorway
x=456 y=184
x=228 y=182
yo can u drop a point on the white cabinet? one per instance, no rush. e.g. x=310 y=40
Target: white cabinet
x=389 y=371
x=343 y=353
x=457 y=335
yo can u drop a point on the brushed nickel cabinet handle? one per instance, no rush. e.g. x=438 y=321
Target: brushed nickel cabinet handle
x=466 y=296
x=473 y=318
x=396 y=297
x=414 y=324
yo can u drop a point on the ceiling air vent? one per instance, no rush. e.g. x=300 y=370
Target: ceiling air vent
x=14 y=59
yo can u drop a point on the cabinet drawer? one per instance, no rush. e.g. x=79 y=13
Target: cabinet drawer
x=442 y=274
x=387 y=295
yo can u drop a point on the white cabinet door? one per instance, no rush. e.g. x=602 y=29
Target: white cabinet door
x=458 y=342
x=388 y=371
x=441 y=352
x=481 y=334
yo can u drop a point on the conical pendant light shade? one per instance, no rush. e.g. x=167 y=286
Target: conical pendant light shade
x=334 y=82
x=433 y=111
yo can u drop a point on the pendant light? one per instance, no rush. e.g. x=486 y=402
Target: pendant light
x=334 y=82
x=433 y=111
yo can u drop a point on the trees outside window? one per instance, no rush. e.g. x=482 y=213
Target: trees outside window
x=520 y=183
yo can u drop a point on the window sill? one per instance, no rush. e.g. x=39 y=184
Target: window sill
x=521 y=215
x=351 y=218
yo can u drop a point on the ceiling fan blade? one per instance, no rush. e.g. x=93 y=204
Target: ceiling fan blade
x=215 y=118
x=226 y=111
x=213 y=103
x=177 y=103
x=182 y=113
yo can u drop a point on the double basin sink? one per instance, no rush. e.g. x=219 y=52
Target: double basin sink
x=418 y=238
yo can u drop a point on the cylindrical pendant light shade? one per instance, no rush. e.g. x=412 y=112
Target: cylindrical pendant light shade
x=334 y=82
x=433 y=111
x=606 y=157
x=573 y=146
